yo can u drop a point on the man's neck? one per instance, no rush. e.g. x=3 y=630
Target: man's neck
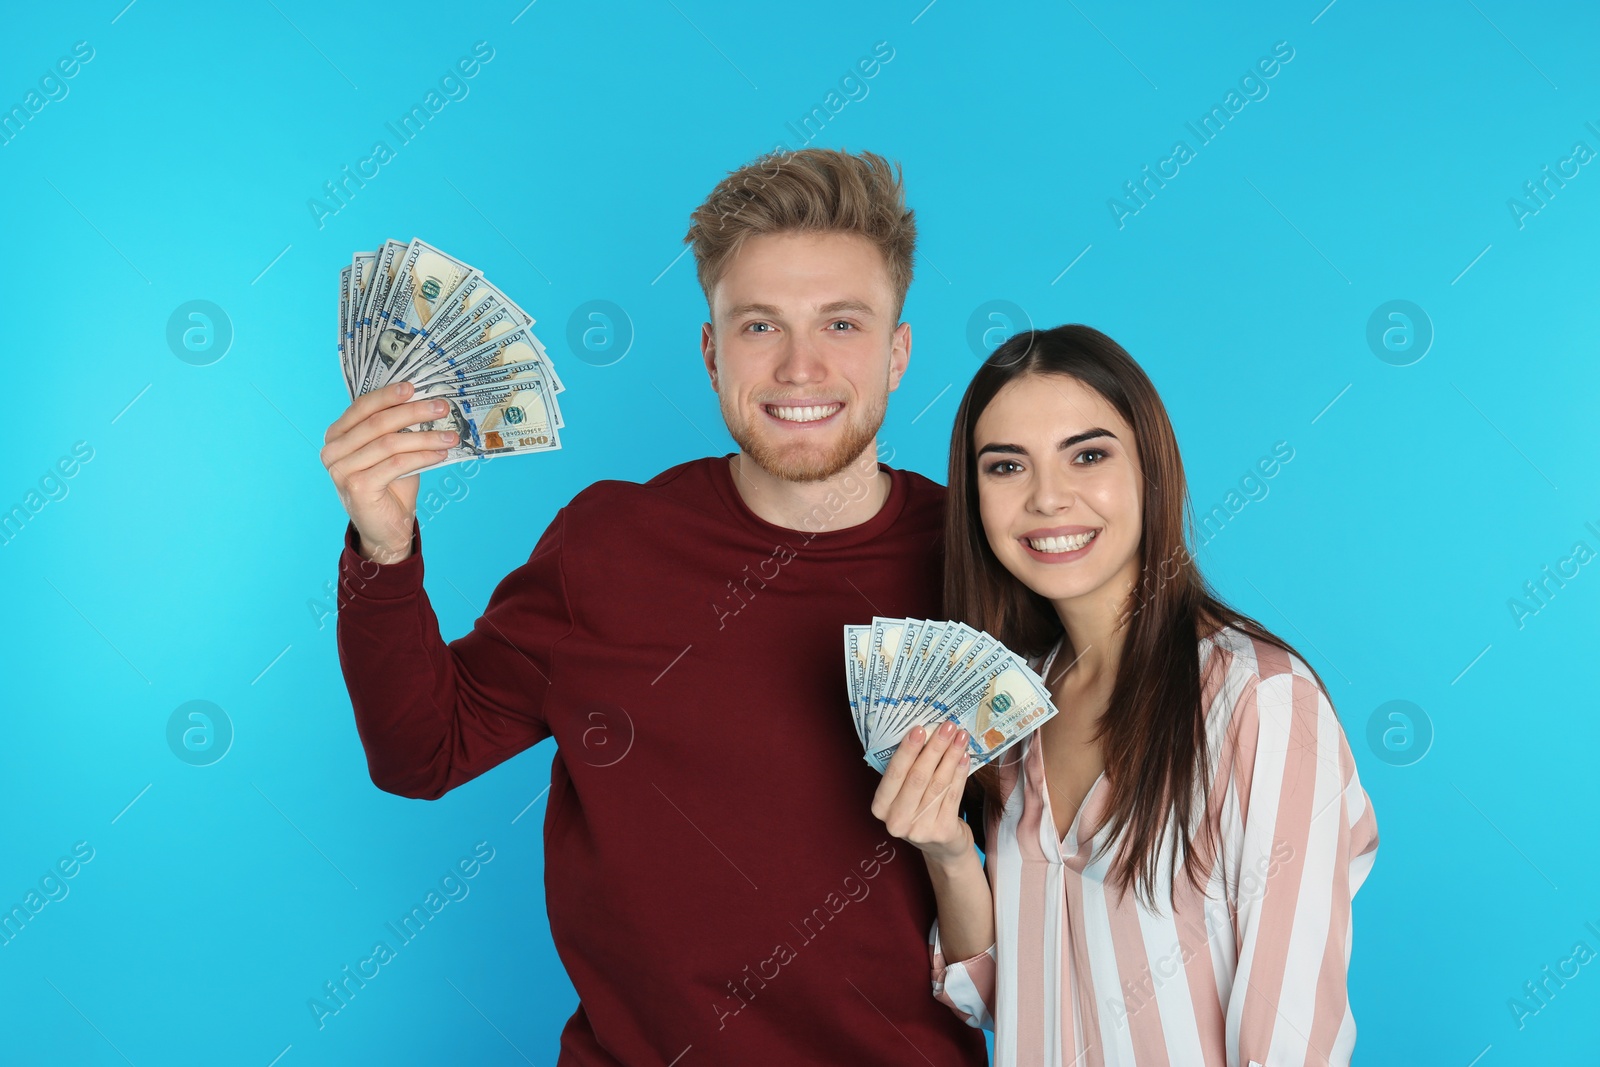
x=849 y=498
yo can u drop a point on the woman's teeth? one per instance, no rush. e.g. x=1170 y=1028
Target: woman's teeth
x=805 y=414
x=1062 y=544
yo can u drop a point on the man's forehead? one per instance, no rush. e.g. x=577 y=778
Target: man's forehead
x=804 y=273
x=850 y=305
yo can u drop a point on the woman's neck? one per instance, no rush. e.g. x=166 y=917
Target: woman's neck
x=1096 y=629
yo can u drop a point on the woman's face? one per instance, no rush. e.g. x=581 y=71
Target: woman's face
x=1059 y=488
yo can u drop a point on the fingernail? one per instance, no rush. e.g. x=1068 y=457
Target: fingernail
x=946 y=729
x=400 y=389
x=438 y=407
x=450 y=437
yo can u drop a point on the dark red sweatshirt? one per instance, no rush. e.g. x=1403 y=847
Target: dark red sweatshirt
x=718 y=888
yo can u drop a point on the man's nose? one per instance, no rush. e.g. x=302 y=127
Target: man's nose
x=801 y=361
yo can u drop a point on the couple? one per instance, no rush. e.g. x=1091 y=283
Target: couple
x=727 y=880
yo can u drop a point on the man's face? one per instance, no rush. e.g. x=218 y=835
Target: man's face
x=803 y=350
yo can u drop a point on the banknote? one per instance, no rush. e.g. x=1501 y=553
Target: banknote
x=371 y=317
x=424 y=281
x=362 y=265
x=409 y=311
x=857 y=647
x=344 y=324
x=494 y=360
x=495 y=422
x=903 y=673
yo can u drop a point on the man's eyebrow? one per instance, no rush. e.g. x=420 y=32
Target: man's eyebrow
x=833 y=307
x=1075 y=439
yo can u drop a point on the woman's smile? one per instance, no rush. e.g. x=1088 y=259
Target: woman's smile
x=1059 y=544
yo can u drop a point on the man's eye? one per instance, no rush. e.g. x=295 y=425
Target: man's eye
x=848 y=326
x=763 y=325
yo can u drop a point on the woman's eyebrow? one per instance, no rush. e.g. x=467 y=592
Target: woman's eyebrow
x=1077 y=438
x=1017 y=449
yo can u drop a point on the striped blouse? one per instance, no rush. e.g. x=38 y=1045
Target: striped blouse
x=1251 y=973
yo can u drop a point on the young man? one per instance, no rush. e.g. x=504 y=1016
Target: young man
x=717 y=887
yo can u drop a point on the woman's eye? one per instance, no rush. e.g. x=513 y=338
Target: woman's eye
x=1100 y=452
x=1004 y=466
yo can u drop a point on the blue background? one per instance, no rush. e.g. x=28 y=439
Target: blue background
x=191 y=558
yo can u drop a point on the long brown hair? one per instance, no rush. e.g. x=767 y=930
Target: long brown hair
x=1154 y=732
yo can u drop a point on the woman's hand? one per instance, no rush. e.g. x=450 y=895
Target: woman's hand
x=919 y=799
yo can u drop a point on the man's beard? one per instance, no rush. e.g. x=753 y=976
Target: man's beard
x=807 y=463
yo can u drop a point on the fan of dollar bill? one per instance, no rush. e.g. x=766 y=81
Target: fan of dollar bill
x=409 y=312
x=902 y=673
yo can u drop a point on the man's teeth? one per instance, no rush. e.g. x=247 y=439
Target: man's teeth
x=1062 y=544
x=806 y=414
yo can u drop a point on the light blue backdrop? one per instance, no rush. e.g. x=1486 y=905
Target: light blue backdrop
x=188 y=555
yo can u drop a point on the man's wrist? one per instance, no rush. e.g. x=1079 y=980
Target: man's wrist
x=382 y=554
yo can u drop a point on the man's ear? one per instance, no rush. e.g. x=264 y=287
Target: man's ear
x=899 y=354
x=708 y=352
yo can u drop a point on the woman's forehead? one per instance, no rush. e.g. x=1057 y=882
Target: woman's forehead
x=1048 y=403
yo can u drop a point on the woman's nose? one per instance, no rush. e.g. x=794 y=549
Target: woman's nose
x=1051 y=492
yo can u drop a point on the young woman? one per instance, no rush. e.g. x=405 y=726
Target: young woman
x=1171 y=857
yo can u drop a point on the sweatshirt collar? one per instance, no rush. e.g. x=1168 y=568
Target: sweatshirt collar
x=814 y=531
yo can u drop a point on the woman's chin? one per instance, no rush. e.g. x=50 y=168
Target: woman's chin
x=1050 y=583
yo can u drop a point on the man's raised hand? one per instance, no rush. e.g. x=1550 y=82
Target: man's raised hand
x=373 y=465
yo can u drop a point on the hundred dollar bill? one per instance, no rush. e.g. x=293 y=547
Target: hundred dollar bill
x=910 y=691
x=490 y=312
x=886 y=637
x=361 y=266
x=409 y=311
x=902 y=662
x=344 y=321
x=997 y=712
x=364 y=313
x=958 y=657
x=372 y=319
x=481 y=362
x=933 y=636
x=892 y=715
x=857 y=648
x=425 y=349
x=903 y=673
x=425 y=279
x=493 y=315
x=974 y=677
x=497 y=424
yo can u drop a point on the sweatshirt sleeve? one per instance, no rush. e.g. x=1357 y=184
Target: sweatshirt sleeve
x=1304 y=839
x=433 y=715
x=966 y=987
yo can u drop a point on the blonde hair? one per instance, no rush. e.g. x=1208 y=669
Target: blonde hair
x=814 y=190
